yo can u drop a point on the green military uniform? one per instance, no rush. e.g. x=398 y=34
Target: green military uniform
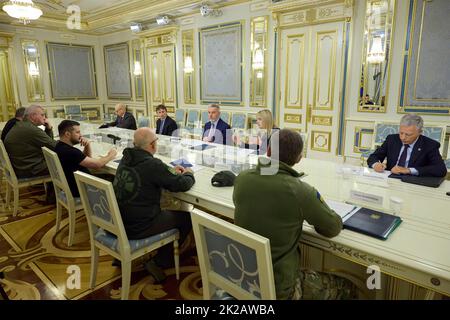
x=275 y=207
x=23 y=144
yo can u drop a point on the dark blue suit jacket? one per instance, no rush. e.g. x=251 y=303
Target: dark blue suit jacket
x=425 y=156
x=128 y=122
x=221 y=135
x=169 y=126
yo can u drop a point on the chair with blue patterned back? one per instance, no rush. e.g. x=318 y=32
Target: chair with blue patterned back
x=107 y=231
x=74 y=112
x=239 y=121
x=180 y=118
x=232 y=259
x=143 y=122
x=204 y=117
x=304 y=136
x=225 y=116
x=437 y=133
x=64 y=197
x=12 y=182
x=192 y=118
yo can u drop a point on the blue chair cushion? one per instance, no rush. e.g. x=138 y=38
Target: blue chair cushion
x=447 y=163
x=62 y=196
x=109 y=240
x=29 y=179
x=220 y=294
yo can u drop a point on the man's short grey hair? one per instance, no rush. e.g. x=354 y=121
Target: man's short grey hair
x=412 y=120
x=214 y=105
x=32 y=110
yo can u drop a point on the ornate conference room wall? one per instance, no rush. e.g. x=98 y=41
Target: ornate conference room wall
x=309 y=62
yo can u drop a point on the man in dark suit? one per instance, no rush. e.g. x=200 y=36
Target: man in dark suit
x=409 y=152
x=216 y=129
x=165 y=125
x=124 y=119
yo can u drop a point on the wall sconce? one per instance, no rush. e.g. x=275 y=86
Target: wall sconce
x=258 y=59
x=188 y=66
x=137 y=68
x=376 y=53
x=163 y=20
x=33 y=69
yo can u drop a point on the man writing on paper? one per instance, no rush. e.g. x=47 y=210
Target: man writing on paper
x=275 y=207
x=409 y=152
x=139 y=181
x=124 y=118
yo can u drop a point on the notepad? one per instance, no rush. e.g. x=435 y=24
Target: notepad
x=372 y=223
x=341 y=208
x=182 y=162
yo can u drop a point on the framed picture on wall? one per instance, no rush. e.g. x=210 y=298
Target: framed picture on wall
x=221 y=64
x=117 y=71
x=72 y=71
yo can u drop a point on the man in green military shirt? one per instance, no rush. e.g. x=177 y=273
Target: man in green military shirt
x=25 y=140
x=275 y=207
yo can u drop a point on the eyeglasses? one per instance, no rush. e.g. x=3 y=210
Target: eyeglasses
x=154 y=141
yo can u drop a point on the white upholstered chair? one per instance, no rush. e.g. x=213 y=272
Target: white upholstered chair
x=64 y=197
x=232 y=259
x=107 y=231
x=12 y=182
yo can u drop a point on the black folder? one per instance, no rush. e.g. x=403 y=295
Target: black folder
x=433 y=182
x=372 y=223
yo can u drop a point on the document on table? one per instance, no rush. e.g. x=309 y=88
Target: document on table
x=186 y=164
x=377 y=175
x=344 y=210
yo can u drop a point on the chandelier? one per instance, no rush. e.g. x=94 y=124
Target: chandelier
x=24 y=10
x=376 y=53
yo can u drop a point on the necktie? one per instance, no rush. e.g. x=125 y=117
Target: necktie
x=211 y=131
x=402 y=160
x=162 y=126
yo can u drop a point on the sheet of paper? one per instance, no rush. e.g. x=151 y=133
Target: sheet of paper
x=341 y=208
x=376 y=175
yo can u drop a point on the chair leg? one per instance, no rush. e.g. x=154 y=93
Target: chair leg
x=8 y=195
x=126 y=279
x=16 y=201
x=176 y=256
x=94 y=265
x=72 y=215
x=58 y=215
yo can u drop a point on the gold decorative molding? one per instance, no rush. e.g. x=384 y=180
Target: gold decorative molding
x=159 y=36
x=293 y=118
x=322 y=120
x=321 y=141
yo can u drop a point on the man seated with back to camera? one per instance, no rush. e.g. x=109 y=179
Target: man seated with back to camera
x=273 y=202
x=139 y=181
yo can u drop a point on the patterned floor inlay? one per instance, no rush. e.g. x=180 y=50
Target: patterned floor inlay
x=37 y=264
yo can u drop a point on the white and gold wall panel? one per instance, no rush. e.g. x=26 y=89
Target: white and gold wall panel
x=295 y=70
x=169 y=75
x=321 y=141
x=358 y=137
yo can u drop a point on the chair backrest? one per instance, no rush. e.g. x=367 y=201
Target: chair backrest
x=74 y=112
x=101 y=209
x=239 y=120
x=57 y=173
x=5 y=163
x=192 y=118
x=232 y=258
x=204 y=117
x=225 y=116
x=143 y=122
x=437 y=133
x=180 y=118
x=381 y=131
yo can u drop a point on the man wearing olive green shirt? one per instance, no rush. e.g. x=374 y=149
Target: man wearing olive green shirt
x=25 y=140
x=275 y=207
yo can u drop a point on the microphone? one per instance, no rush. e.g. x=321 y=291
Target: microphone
x=113 y=137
